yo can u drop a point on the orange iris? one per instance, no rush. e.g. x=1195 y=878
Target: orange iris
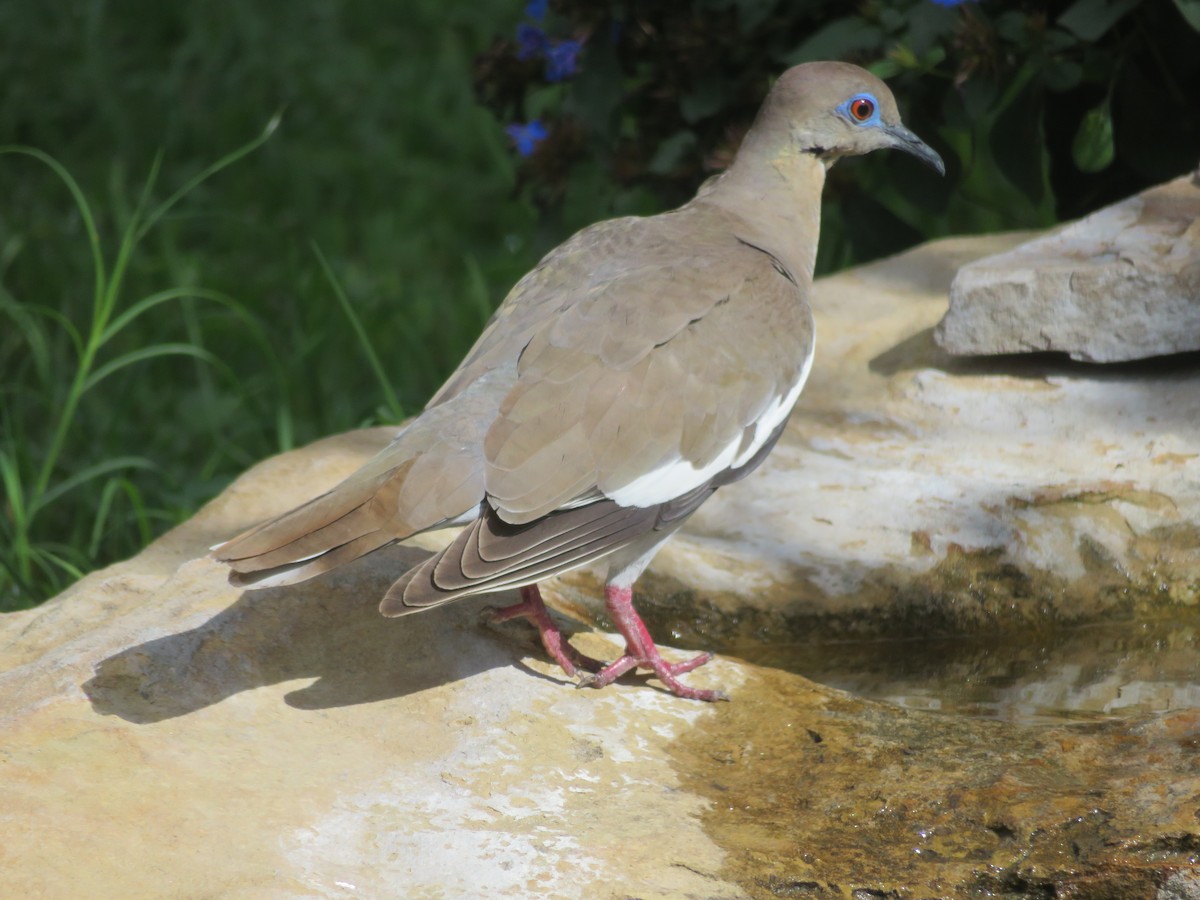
x=862 y=108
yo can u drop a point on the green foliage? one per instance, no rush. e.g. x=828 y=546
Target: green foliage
x=1190 y=10
x=40 y=407
x=1093 y=144
x=1043 y=110
x=154 y=343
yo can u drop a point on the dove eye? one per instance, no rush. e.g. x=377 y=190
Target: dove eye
x=861 y=109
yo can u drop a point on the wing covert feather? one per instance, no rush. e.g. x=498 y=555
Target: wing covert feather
x=638 y=377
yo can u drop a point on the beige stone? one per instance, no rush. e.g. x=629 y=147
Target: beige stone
x=195 y=743
x=167 y=736
x=1122 y=283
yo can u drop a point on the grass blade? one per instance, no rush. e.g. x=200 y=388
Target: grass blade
x=85 y=475
x=394 y=407
x=196 y=180
x=112 y=488
x=144 y=353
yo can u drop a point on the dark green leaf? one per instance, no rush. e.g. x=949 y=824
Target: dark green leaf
x=1013 y=27
x=1055 y=40
x=1093 y=144
x=671 y=151
x=892 y=19
x=932 y=57
x=596 y=91
x=1190 y=10
x=930 y=24
x=752 y=13
x=885 y=69
x=1090 y=19
x=838 y=39
x=979 y=97
x=707 y=98
x=1062 y=75
x=1017 y=140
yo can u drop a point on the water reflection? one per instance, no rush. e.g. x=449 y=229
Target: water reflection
x=1084 y=673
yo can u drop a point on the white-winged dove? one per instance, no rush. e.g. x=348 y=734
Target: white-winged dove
x=643 y=364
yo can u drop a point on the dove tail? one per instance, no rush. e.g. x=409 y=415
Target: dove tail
x=324 y=533
x=491 y=554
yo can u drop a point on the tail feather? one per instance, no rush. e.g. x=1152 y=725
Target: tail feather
x=380 y=503
x=491 y=554
x=339 y=532
x=296 y=524
x=301 y=570
x=329 y=530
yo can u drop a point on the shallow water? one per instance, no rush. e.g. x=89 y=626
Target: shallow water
x=1089 y=673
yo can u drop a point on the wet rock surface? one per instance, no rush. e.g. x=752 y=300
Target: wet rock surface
x=819 y=794
x=166 y=735
x=1122 y=283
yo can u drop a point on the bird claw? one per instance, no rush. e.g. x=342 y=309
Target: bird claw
x=689 y=664
x=581 y=662
x=534 y=609
x=640 y=653
x=664 y=670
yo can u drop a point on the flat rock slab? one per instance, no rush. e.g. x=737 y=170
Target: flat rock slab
x=294 y=744
x=1122 y=283
x=166 y=735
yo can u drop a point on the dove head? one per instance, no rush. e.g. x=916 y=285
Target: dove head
x=834 y=109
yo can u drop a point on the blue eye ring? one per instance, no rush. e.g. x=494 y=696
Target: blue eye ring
x=861 y=109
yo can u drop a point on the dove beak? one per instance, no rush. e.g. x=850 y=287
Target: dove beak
x=902 y=139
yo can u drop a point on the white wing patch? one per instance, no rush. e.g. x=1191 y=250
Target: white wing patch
x=773 y=416
x=672 y=480
x=679 y=476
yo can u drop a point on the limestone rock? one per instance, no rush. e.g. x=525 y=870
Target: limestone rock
x=167 y=736
x=293 y=744
x=916 y=493
x=1122 y=283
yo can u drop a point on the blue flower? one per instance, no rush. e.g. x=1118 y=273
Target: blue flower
x=526 y=137
x=531 y=41
x=536 y=9
x=561 y=60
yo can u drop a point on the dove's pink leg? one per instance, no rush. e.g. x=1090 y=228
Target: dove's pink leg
x=532 y=608
x=640 y=651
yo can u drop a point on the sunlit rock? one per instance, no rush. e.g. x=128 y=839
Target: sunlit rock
x=1122 y=283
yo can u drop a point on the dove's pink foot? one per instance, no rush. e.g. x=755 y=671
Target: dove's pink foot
x=640 y=651
x=532 y=608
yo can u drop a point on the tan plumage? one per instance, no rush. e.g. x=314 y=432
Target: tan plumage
x=639 y=366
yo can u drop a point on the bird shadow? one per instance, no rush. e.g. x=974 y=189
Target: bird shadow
x=329 y=630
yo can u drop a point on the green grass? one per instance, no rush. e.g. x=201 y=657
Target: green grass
x=183 y=293
x=35 y=485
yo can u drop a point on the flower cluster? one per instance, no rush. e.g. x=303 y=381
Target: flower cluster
x=562 y=61
x=526 y=137
x=562 y=56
